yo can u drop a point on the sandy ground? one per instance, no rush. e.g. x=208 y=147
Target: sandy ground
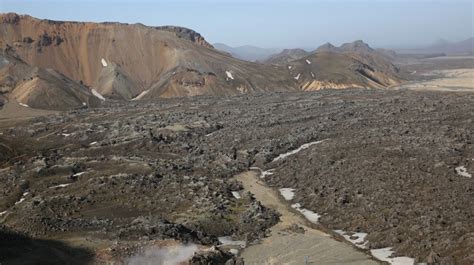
x=314 y=246
x=458 y=80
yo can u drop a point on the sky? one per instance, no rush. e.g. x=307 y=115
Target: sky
x=277 y=23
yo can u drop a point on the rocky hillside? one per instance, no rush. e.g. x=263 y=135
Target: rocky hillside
x=40 y=88
x=125 y=61
x=351 y=65
x=286 y=56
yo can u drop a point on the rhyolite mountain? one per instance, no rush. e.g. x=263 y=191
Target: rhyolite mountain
x=123 y=61
x=137 y=62
x=352 y=65
x=40 y=88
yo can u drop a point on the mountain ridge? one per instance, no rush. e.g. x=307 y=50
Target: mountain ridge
x=168 y=61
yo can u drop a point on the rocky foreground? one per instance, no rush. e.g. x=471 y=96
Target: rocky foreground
x=394 y=164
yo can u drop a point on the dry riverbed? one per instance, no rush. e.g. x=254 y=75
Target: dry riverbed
x=294 y=240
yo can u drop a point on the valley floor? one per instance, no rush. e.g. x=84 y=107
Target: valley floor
x=457 y=80
x=385 y=169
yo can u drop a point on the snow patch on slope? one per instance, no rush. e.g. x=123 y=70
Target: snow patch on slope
x=141 y=95
x=97 y=94
x=462 y=171
x=305 y=146
x=22 y=198
x=229 y=75
x=287 y=193
x=310 y=215
x=60 y=186
x=358 y=239
x=104 y=62
x=236 y=195
x=383 y=254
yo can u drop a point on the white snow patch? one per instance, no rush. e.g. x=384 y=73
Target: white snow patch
x=97 y=94
x=310 y=215
x=267 y=173
x=297 y=77
x=79 y=174
x=4 y=212
x=84 y=104
x=289 y=67
x=93 y=143
x=104 y=62
x=229 y=75
x=227 y=241
x=23 y=105
x=22 y=198
x=287 y=193
x=305 y=146
x=60 y=186
x=312 y=74
x=383 y=254
x=236 y=194
x=234 y=251
x=359 y=238
x=263 y=174
x=308 y=61
x=462 y=171
x=141 y=95
x=66 y=134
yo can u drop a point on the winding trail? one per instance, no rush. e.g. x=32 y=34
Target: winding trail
x=287 y=247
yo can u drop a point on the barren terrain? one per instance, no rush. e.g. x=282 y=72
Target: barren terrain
x=455 y=80
x=105 y=183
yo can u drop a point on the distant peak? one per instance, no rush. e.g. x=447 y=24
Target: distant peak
x=356 y=46
x=327 y=47
x=328 y=44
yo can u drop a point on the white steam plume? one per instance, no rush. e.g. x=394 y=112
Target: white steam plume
x=169 y=255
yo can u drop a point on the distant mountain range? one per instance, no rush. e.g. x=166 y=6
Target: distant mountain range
x=358 y=46
x=353 y=64
x=247 y=52
x=465 y=47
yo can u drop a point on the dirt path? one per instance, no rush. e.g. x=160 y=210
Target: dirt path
x=285 y=247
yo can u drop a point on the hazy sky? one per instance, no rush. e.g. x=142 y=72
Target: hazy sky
x=280 y=23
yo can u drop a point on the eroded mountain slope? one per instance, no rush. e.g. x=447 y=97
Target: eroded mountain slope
x=40 y=88
x=164 y=61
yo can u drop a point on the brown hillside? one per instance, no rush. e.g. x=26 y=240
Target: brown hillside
x=342 y=70
x=41 y=88
x=166 y=61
